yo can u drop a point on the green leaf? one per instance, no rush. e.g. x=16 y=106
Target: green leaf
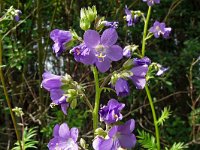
x=146 y=140
x=165 y=115
x=177 y=146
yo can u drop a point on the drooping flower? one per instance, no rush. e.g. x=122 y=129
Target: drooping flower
x=60 y=38
x=118 y=137
x=111 y=113
x=17 y=15
x=121 y=87
x=113 y=24
x=52 y=83
x=151 y=2
x=129 y=18
x=159 y=28
x=102 y=49
x=139 y=71
x=64 y=138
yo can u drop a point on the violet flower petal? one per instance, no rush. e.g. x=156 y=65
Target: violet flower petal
x=121 y=87
x=91 y=38
x=102 y=144
x=56 y=130
x=64 y=131
x=109 y=37
x=57 y=142
x=139 y=82
x=64 y=107
x=103 y=66
x=140 y=70
x=74 y=133
x=115 y=53
x=127 y=141
x=128 y=127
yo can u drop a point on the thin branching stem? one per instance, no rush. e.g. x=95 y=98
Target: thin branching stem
x=7 y=97
x=146 y=87
x=145 y=31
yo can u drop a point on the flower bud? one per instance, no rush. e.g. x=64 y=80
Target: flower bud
x=84 y=24
x=100 y=132
x=83 y=144
x=91 y=13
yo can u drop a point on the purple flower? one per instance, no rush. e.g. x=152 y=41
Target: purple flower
x=160 y=29
x=17 y=16
x=63 y=138
x=60 y=37
x=113 y=24
x=111 y=113
x=151 y=2
x=161 y=71
x=129 y=18
x=118 y=137
x=143 y=61
x=139 y=72
x=102 y=49
x=121 y=87
x=82 y=54
x=52 y=83
x=167 y=32
x=127 y=52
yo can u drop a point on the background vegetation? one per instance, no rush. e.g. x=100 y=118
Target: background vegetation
x=27 y=53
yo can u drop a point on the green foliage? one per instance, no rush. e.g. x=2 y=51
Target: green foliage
x=194 y=116
x=146 y=140
x=177 y=146
x=165 y=115
x=28 y=140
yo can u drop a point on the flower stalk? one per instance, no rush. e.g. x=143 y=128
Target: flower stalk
x=7 y=97
x=146 y=87
x=97 y=99
x=145 y=31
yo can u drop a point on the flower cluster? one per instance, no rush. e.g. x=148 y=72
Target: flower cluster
x=118 y=136
x=100 y=50
x=132 y=17
x=138 y=73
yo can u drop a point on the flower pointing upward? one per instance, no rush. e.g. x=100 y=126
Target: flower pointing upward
x=102 y=48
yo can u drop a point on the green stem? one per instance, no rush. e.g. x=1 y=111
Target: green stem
x=7 y=97
x=97 y=99
x=146 y=87
x=145 y=31
x=40 y=51
x=154 y=117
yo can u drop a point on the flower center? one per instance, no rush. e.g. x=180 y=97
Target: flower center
x=100 y=52
x=157 y=28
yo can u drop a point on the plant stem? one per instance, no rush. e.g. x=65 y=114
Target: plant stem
x=97 y=98
x=40 y=52
x=7 y=97
x=154 y=117
x=146 y=87
x=145 y=31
